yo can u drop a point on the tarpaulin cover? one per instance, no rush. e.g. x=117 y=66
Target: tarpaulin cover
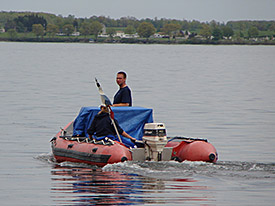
x=130 y=119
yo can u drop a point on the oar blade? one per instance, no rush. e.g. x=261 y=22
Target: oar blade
x=105 y=100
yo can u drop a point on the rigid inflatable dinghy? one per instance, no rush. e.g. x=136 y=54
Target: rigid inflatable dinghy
x=73 y=144
x=192 y=149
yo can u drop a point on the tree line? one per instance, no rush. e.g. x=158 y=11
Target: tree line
x=42 y=24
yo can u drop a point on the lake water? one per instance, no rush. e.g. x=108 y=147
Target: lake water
x=223 y=93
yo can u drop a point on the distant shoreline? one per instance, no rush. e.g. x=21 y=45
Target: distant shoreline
x=46 y=27
x=139 y=41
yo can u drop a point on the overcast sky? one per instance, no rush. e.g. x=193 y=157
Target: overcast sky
x=201 y=10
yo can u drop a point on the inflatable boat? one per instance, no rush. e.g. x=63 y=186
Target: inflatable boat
x=72 y=143
x=84 y=150
x=192 y=149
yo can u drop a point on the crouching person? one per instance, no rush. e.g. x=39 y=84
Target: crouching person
x=102 y=127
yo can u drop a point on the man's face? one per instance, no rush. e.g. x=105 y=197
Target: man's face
x=120 y=80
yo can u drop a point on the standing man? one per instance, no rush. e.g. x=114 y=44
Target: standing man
x=123 y=96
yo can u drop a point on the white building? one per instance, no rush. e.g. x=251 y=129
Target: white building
x=121 y=34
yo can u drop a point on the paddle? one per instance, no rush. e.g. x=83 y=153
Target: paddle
x=112 y=117
x=105 y=100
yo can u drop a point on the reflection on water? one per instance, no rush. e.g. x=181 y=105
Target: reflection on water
x=78 y=185
x=161 y=183
x=138 y=183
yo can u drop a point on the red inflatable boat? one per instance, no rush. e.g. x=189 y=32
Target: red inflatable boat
x=72 y=143
x=84 y=150
x=192 y=149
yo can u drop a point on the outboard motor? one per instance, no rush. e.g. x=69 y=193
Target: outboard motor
x=154 y=139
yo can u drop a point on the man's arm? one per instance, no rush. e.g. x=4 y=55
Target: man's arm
x=128 y=136
x=121 y=105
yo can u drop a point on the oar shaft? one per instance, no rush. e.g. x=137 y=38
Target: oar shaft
x=105 y=100
x=116 y=129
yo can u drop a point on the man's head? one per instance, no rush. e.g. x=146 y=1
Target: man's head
x=121 y=79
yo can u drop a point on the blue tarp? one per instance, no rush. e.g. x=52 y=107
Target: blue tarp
x=130 y=119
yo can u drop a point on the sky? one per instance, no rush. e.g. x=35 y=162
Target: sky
x=200 y=10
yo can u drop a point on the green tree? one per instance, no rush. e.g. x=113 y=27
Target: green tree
x=171 y=29
x=68 y=29
x=96 y=28
x=12 y=33
x=227 y=31
x=85 y=29
x=111 y=32
x=205 y=31
x=146 y=29
x=253 y=32
x=20 y=27
x=130 y=30
x=59 y=22
x=26 y=22
x=75 y=24
x=217 y=33
x=194 y=26
x=52 y=30
x=272 y=26
x=10 y=25
x=38 y=30
x=185 y=25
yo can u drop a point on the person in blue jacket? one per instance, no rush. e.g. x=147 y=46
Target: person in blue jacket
x=102 y=126
x=123 y=96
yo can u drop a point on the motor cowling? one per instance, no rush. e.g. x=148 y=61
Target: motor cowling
x=155 y=139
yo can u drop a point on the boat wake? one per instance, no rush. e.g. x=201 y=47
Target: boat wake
x=45 y=157
x=164 y=169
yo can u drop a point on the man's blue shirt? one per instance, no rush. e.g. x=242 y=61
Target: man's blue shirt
x=123 y=95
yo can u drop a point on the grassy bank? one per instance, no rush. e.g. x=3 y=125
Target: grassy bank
x=30 y=37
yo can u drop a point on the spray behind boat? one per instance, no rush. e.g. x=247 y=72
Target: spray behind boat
x=154 y=140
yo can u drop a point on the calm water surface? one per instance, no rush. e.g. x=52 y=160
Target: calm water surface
x=222 y=93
